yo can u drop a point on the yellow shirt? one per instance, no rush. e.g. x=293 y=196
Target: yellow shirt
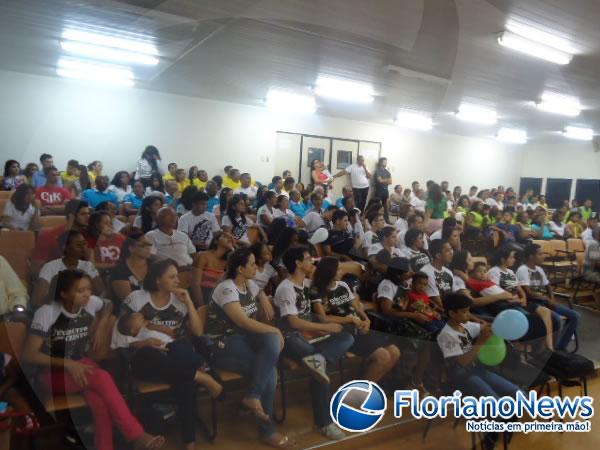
x=12 y=291
x=201 y=185
x=168 y=177
x=182 y=185
x=68 y=180
x=92 y=176
x=228 y=182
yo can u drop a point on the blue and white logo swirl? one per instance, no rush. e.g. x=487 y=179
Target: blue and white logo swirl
x=358 y=405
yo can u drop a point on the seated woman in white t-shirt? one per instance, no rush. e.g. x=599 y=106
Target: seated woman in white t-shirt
x=20 y=212
x=237 y=223
x=75 y=254
x=266 y=276
x=282 y=210
x=264 y=215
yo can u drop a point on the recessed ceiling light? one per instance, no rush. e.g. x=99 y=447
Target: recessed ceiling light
x=559 y=104
x=579 y=133
x=95 y=72
x=414 y=120
x=477 y=114
x=344 y=90
x=108 y=53
x=537 y=35
x=512 y=135
x=286 y=101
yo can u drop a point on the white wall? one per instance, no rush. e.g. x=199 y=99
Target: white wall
x=568 y=159
x=73 y=120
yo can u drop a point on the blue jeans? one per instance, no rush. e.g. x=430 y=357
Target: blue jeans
x=479 y=381
x=255 y=356
x=332 y=348
x=570 y=327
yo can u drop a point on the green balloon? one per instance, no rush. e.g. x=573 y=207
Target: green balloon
x=493 y=352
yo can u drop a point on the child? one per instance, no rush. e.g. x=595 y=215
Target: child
x=419 y=303
x=460 y=341
x=479 y=282
x=136 y=326
x=377 y=223
x=534 y=282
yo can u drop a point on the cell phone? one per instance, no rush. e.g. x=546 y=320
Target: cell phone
x=318 y=339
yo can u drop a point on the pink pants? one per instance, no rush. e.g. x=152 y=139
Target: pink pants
x=104 y=399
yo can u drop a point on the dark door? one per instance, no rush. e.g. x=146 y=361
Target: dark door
x=530 y=183
x=557 y=191
x=588 y=190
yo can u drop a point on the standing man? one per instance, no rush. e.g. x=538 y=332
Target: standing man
x=383 y=178
x=359 y=177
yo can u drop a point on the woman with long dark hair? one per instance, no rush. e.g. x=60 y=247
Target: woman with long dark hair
x=236 y=222
x=334 y=302
x=148 y=164
x=156 y=185
x=30 y=170
x=435 y=208
x=66 y=366
x=120 y=185
x=265 y=214
x=210 y=266
x=107 y=249
x=20 y=212
x=146 y=218
x=12 y=175
x=133 y=266
x=250 y=347
x=224 y=198
x=169 y=310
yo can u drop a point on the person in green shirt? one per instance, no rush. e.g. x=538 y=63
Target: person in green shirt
x=586 y=210
x=435 y=208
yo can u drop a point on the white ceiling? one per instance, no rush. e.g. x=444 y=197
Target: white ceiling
x=234 y=50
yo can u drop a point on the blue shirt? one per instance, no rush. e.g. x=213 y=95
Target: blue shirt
x=512 y=230
x=212 y=202
x=300 y=209
x=95 y=197
x=39 y=179
x=340 y=202
x=547 y=234
x=135 y=201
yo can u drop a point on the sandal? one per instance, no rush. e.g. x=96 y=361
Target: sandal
x=279 y=440
x=150 y=442
x=256 y=413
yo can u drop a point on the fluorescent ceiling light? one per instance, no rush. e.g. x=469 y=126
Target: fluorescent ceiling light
x=512 y=135
x=345 y=90
x=95 y=72
x=285 y=101
x=532 y=48
x=106 y=40
x=580 y=133
x=108 y=54
x=537 y=35
x=414 y=120
x=476 y=114
x=559 y=104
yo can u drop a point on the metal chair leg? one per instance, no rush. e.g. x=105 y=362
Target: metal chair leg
x=282 y=416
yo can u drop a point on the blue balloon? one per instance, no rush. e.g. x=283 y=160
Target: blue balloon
x=510 y=324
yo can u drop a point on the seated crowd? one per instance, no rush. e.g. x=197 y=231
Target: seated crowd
x=193 y=275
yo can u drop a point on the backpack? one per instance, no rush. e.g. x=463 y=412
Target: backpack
x=563 y=365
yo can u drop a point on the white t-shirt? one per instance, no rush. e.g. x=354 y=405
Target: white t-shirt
x=51 y=269
x=292 y=299
x=401 y=225
x=587 y=237
x=506 y=279
x=288 y=213
x=358 y=176
x=370 y=238
x=199 y=228
x=558 y=229
x=228 y=292
x=376 y=248
x=177 y=246
x=418 y=204
x=250 y=191
x=146 y=334
x=313 y=221
x=118 y=225
x=240 y=231
x=440 y=281
x=535 y=279
x=459 y=283
x=263 y=277
x=402 y=243
x=172 y=315
x=19 y=220
x=264 y=210
x=120 y=192
x=452 y=343
x=491 y=201
x=436 y=235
